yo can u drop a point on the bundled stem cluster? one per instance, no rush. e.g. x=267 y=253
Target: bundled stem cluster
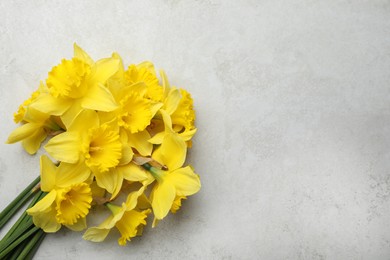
x=23 y=238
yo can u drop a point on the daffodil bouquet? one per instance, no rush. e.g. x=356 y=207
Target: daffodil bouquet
x=117 y=139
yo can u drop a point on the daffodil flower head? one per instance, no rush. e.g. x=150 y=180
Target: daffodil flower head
x=126 y=218
x=145 y=73
x=102 y=148
x=67 y=79
x=73 y=203
x=98 y=146
x=68 y=200
x=184 y=115
x=34 y=131
x=19 y=115
x=78 y=84
x=130 y=223
x=36 y=124
x=177 y=203
x=135 y=113
x=175 y=180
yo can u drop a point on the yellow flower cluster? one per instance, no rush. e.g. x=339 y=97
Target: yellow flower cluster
x=118 y=138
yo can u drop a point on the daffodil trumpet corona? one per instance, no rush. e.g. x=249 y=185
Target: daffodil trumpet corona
x=114 y=137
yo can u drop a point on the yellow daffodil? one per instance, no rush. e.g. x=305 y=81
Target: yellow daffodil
x=87 y=141
x=112 y=179
x=160 y=131
x=175 y=180
x=137 y=93
x=177 y=203
x=68 y=200
x=78 y=84
x=184 y=115
x=135 y=111
x=36 y=125
x=126 y=218
x=120 y=138
x=178 y=103
x=19 y=115
x=145 y=73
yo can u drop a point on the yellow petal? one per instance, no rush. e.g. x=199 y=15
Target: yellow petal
x=187 y=135
x=70 y=174
x=23 y=132
x=35 y=116
x=127 y=154
x=186 y=182
x=48 y=104
x=132 y=172
x=44 y=204
x=118 y=77
x=75 y=109
x=177 y=203
x=110 y=180
x=140 y=142
x=99 y=98
x=96 y=234
x=172 y=101
x=129 y=224
x=32 y=143
x=147 y=65
x=65 y=147
x=48 y=174
x=73 y=203
x=172 y=152
x=84 y=121
x=155 y=107
x=117 y=214
x=81 y=54
x=105 y=68
x=139 y=88
x=44 y=213
x=80 y=225
x=127 y=151
x=162 y=197
x=47 y=220
x=167 y=121
x=132 y=198
x=143 y=202
x=165 y=83
x=157 y=139
x=110 y=221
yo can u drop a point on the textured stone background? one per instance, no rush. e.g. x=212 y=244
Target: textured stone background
x=293 y=110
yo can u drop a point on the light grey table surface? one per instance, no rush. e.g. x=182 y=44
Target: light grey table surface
x=293 y=111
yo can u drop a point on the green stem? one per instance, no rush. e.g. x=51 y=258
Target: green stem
x=32 y=245
x=156 y=173
x=36 y=246
x=18 y=232
x=18 y=202
x=23 y=218
x=21 y=227
x=11 y=213
x=10 y=247
x=14 y=254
